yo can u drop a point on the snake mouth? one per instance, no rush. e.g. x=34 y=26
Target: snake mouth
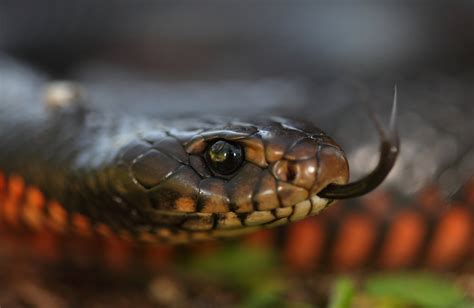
x=206 y=226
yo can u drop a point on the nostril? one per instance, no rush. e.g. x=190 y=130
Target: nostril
x=286 y=171
x=291 y=172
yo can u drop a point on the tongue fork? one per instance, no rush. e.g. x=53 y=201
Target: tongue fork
x=389 y=148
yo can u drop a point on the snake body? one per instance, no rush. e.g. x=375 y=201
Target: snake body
x=148 y=178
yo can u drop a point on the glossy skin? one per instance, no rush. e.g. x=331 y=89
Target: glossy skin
x=390 y=228
x=149 y=178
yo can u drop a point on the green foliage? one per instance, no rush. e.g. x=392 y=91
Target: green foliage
x=342 y=293
x=257 y=277
x=252 y=270
x=237 y=265
x=398 y=290
x=415 y=289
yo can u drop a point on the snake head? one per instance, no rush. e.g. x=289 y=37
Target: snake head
x=230 y=178
x=281 y=165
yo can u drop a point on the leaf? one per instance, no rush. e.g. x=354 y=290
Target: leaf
x=236 y=261
x=421 y=289
x=262 y=300
x=342 y=294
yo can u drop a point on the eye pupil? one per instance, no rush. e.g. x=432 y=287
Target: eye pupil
x=218 y=153
x=224 y=157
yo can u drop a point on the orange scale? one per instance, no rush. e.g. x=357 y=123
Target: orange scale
x=81 y=224
x=403 y=241
x=354 y=242
x=33 y=211
x=304 y=244
x=11 y=212
x=104 y=230
x=58 y=217
x=35 y=198
x=452 y=238
x=16 y=187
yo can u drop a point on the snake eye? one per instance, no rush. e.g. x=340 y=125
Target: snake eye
x=224 y=157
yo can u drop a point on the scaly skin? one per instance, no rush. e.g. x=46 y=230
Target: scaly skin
x=405 y=224
x=148 y=179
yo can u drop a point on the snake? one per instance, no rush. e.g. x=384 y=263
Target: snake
x=74 y=169
x=178 y=180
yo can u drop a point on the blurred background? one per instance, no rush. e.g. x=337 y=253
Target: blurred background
x=233 y=38
x=313 y=60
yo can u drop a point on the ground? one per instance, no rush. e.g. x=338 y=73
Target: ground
x=234 y=276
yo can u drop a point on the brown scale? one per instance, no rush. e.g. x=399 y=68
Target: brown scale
x=149 y=174
x=254 y=151
x=265 y=197
x=241 y=188
x=184 y=180
x=213 y=196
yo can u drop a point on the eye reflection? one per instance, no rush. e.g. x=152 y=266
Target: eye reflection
x=223 y=157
